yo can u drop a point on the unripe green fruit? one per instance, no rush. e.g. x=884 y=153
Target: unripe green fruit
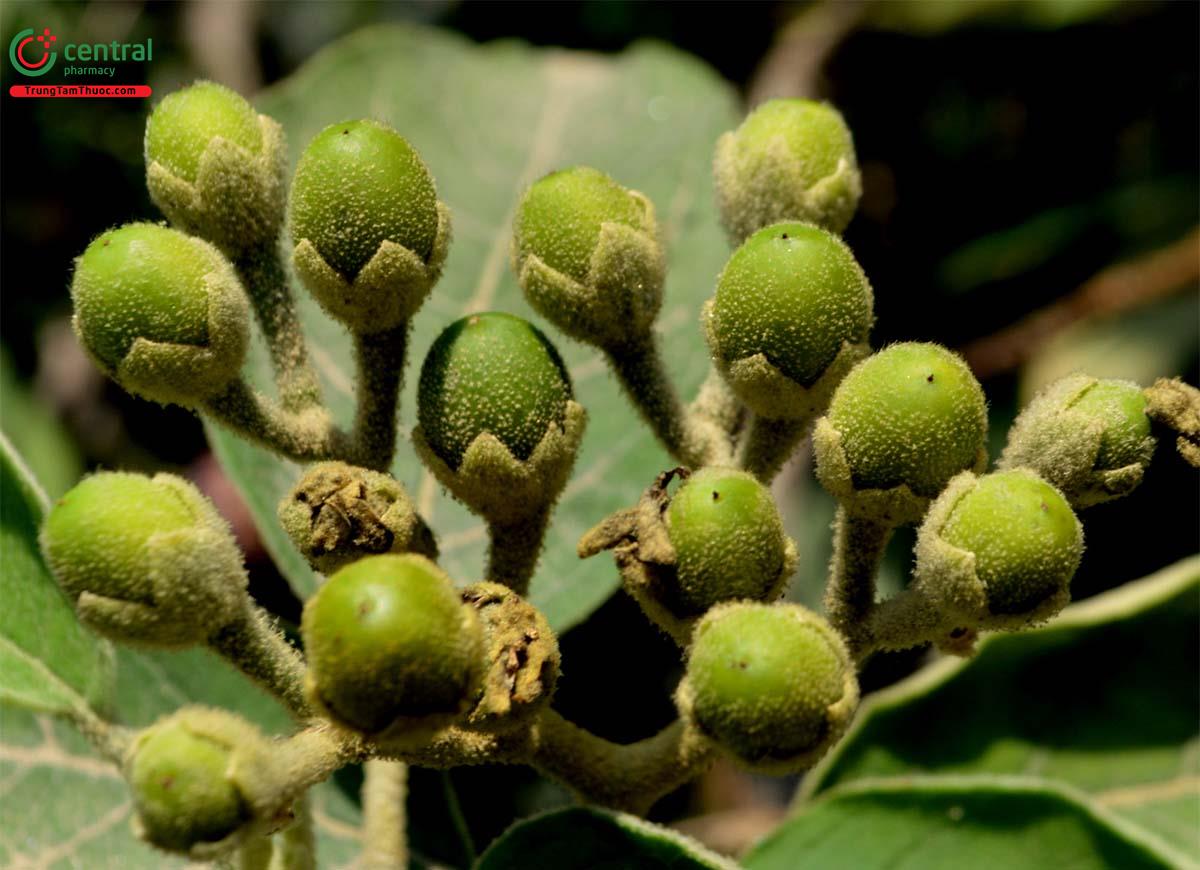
x=491 y=373
x=1120 y=406
x=1026 y=540
x=144 y=560
x=728 y=540
x=182 y=788
x=790 y=160
x=162 y=312
x=913 y=415
x=794 y=293
x=390 y=645
x=559 y=219
x=772 y=684
x=358 y=184
x=181 y=126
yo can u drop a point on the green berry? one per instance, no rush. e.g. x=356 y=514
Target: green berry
x=182 y=788
x=389 y=642
x=772 y=684
x=181 y=127
x=912 y=414
x=790 y=160
x=161 y=311
x=1120 y=407
x=728 y=539
x=491 y=373
x=794 y=293
x=560 y=217
x=358 y=184
x=1026 y=540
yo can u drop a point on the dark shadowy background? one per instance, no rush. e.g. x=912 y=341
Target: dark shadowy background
x=1020 y=159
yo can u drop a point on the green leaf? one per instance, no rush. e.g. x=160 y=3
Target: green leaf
x=577 y=838
x=1102 y=699
x=489 y=120
x=947 y=823
x=36 y=433
x=48 y=661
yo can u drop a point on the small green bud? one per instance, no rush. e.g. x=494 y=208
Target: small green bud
x=215 y=166
x=790 y=160
x=161 y=313
x=903 y=422
x=998 y=551
x=391 y=648
x=370 y=234
x=586 y=253
x=791 y=316
x=145 y=560
x=183 y=786
x=1090 y=438
x=522 y=655
x=771 y=684
x=338 y=513
x=728 y=540
x=497 y=423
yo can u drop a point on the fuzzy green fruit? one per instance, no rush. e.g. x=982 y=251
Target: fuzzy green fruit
x=391 y=647
x=491 y=373
x=358 y=184
x=772 y=684
x=144 y=560
x=161 y=312
x=1025 y=538
x=728 y=540
x=182 y=788
x=1120 y=407
x=182 y=126
x=794 y=293
x=911 y=415
x=790 y=160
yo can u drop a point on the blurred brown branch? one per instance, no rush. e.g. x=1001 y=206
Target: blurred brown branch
x=793 y=64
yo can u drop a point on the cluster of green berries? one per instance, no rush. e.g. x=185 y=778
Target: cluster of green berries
x=394 y=651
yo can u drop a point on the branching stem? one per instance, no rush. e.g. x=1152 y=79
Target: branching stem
x=513 y=551
x=385 y=834
x=858 y=546
x=305 y=436
x=770 y=443
x=296 y=846
x=379 y=358
x=261 y=652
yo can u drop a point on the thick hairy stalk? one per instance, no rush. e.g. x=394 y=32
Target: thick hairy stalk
x=513 y=551
x=385 y=834
x=770 y=443
x=379 y=360
x=261 y=652
x=305 y=436
x=718 y=410
x=858 y=545
x=108 y=740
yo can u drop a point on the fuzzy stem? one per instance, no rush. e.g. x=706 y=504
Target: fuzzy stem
x=905 y=620
x=719 y=410
x=379 y=358
x=858 y=546
x=630 y=777
x=296 y=846
x=304 y=436
x=770 y=443
x=261 y=652
x=513 y=551
x=385 y=835
x=254 y=854
x=108 y=740
x=638 y=366
x=265 y=280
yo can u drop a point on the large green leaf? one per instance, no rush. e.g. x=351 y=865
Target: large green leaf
x=489 y=120
x=48 y=661
x=1103 y=699
x=948 y=823
x=586 y=839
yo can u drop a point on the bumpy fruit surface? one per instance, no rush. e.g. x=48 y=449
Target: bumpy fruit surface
x=181 y=126
x=1120 y=408
x=358 y=184
x=794 y=293
x=1026 y=539
x=182 y=789
x=791 y=159
x=728 y=539
x=772 y=684
x=389 y=642
x=912 y=414
x=491 y=373
x=160 y=311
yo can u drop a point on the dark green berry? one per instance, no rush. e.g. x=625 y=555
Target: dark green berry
x=728 y=539
x=794 y=293
x=912 y=414
x=389 y=641
x=772 y=684
x=491 y=373
x=181 y=127
x=1026 y=540
x=358 y=184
